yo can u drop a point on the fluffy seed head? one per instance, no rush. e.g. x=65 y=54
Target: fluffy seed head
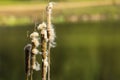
x=37 y=66
x=52 y=36
x=50 y=7
x=34 y=35
x=42 y=26
x=36 y=42
x=44 y=32
x=35 y=51
x=34 y=66
x=46 y=62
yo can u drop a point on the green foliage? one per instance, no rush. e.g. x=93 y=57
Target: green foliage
x=14 y=21
x=111 y=9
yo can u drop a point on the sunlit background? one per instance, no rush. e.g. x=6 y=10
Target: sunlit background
x=88 y=38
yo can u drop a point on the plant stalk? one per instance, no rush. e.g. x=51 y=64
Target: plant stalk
x=44 y=56
x=49 y=34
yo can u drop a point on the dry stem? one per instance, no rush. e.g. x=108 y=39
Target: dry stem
x=27 y=50
x=44 y=56
x=33 y=60
x=49 y=11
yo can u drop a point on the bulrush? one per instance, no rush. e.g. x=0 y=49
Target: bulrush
x=44 y=37
x=43 y=31
x=51 y=34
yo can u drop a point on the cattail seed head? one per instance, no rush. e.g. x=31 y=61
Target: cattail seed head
x=35 y=41
x=35 y=51
x=50 y=7
x=52 y=36
x=42 y=26
x=37 y=67
x=34 y=35
x=34 y=66
x=46 y=63
x=43 y=30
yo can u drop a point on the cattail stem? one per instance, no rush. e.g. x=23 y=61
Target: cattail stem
x=35 y=43
x=48 y=62
x=27 y=77
x=31 y=75
x=44 y=56
x=33 y=60
x=48 y=32
x=43 y=32
x=27 y=50
x=49 y=14
x=33 y=57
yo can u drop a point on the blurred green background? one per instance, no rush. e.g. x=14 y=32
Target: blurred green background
x=88 y=38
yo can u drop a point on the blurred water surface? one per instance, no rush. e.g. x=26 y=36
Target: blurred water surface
x=84 y=51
